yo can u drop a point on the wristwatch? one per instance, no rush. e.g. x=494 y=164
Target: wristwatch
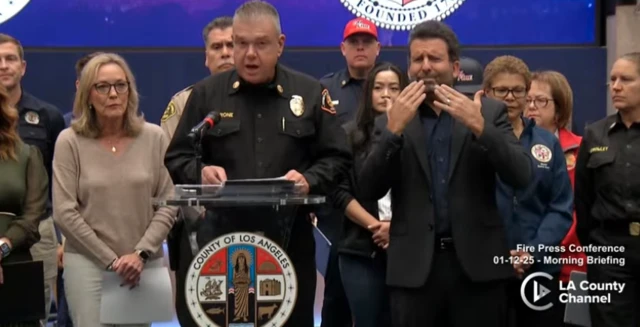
x=144 y=255
x=4 y=249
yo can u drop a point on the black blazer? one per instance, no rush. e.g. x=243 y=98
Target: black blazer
x=401 y=163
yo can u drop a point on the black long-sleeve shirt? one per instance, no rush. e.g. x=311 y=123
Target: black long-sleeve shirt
x=607 y=186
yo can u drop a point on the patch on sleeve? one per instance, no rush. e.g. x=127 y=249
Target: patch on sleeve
x=169 y=112
x=327 y=103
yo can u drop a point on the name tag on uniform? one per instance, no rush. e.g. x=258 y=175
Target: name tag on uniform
x=335 y=102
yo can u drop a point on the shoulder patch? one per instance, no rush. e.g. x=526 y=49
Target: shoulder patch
x=327 y=103
x=169 y=112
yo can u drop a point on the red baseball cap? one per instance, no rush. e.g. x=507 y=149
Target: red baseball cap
x=360 y=25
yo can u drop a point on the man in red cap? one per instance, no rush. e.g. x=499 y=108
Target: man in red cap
x=360 y=47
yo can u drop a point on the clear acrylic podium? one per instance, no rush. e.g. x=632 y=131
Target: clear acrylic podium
x=245 y=193
x=243 y=275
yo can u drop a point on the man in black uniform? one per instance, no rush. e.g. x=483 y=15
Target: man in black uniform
x=276 y=122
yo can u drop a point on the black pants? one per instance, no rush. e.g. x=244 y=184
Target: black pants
x=449 y=298
x=625 y=307
x=520 y=315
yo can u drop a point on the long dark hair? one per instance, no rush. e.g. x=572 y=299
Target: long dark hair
x=360 y=136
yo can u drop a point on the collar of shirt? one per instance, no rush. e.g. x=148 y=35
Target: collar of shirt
x=28 y=102
x=277 y=86
x=346 y=79
x=614 y=123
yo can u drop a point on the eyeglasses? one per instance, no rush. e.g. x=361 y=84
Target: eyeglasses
x=502 y=92
x=539 y=102
x=105 y=88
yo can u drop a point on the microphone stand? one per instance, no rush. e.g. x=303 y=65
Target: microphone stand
x=197 y=147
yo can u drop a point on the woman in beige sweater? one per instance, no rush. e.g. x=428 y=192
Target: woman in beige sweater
x=107 y=168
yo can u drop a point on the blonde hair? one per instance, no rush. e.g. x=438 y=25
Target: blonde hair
x=560 y=92
x=9 y=138
x=85 y=122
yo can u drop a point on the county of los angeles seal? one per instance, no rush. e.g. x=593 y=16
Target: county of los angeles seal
x=241 y=280
x=8 y=9
x=401 y=14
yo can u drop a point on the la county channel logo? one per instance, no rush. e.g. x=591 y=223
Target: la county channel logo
x=539 y=293
x=241 y=280
x=401 y=14
x=10 y=8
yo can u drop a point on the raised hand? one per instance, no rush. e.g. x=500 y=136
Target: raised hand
x=463 y=109
x=405 y=106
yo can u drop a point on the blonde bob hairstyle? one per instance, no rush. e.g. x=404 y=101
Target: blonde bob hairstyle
x=85 y=120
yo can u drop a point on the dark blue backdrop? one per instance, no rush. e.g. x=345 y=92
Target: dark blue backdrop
x=51 y=76
x=178 y=23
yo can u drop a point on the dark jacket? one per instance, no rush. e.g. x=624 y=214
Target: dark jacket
x=541 y=213
x=354 y=238
x=39 y=125
x=402 y=164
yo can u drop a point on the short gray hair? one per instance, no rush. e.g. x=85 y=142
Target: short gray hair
x=258 y=8
x=634 y=57
x=220 y=23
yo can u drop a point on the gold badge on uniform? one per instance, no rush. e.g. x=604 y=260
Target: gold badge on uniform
x=280 y=89
x=236 y=84
x=571 y=160
x=634 y=229
x=169 y=112
x=297 y=105
x=32 y=117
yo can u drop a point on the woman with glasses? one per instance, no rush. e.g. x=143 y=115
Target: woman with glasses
x=539 y=215
x=106 y=169
x=550 y=104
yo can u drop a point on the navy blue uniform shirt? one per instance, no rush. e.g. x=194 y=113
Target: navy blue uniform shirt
x=346 y=93
x=39 y=125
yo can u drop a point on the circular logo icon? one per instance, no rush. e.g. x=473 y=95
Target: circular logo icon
x=10 y=8
x=541 y=153
x=534 y=292
x=401 y=14
x=241 y=279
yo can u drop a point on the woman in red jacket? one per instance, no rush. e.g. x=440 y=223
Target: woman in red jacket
x=550 y=103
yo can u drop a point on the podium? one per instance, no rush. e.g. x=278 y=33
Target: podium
x=242 y=275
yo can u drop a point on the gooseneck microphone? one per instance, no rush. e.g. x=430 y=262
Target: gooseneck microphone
x=207 y=123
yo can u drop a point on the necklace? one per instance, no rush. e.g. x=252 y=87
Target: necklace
x=113 y=146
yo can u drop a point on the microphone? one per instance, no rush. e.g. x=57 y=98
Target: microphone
x=208 y=122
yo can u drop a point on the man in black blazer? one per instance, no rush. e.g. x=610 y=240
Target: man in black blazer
x=439 y=151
